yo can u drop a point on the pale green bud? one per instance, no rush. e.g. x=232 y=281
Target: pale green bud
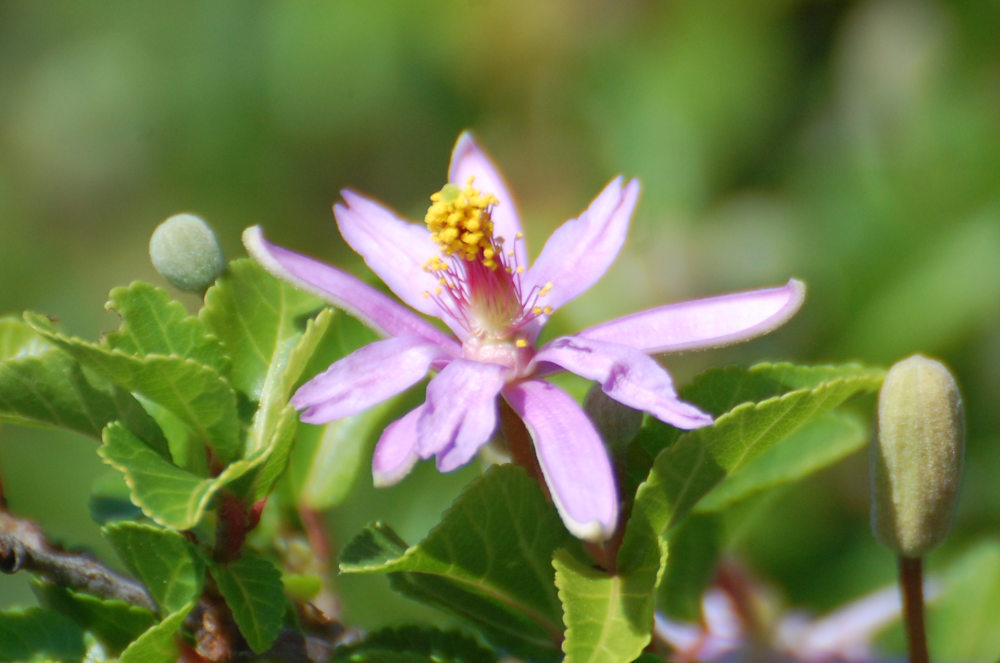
x=916 y=456
x=185 y=252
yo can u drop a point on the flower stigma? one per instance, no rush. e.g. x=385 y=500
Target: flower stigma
x=479 y=282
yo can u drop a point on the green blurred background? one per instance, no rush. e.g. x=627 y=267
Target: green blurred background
x=855 y=145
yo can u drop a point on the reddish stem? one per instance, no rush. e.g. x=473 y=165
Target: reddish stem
x=235 y=520
x=911 y=582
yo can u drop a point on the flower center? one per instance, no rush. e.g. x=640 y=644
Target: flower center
x=479 y=282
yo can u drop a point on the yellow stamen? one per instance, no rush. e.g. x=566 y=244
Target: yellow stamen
x=521 y=343
x=460 y=223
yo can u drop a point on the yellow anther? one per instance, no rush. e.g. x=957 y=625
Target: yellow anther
x=520 y=269
x=545 y=289
x=521 y=343
x=460 y=223
x=537 y=310
x=547 y=310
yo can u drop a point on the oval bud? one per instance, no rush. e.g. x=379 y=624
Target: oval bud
x=185 y=252
x=916 y=456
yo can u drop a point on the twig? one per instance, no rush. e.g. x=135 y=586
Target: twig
x=24 y=547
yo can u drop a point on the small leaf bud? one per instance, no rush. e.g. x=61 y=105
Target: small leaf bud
x=185 y=252
x=916 y=456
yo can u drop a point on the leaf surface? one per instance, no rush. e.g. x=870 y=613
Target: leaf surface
x=251 y=586
x=609 y=618
x=155 y=324
x=194 y=392
x=158 y=643
x=166 y=563
x=39 y=633
x=496 y=542
x=256 y=316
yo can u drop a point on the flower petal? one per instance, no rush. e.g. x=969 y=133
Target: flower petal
x=572 y=457
x=704 y=323
x=365 y=378
x=460 y=414
x=393 y=248
x=469 y=160
x=346 y=292
x=396 y=451
x=626 y=375
x=581 y=250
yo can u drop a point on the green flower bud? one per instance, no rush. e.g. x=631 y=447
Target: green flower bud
x=185 y=252
x=916 y=457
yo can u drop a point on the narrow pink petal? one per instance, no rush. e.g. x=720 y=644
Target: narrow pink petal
x=396 y=451
x=626 y=375
x=365 y=378
x=581 y=250
x=460 y=413
x=468 y=160
x=374 y=309
x=395 y=249
x=704 y=323
x=572 y=457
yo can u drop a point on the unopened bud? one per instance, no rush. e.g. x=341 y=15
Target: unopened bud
x=185 y=252
x=916 y=457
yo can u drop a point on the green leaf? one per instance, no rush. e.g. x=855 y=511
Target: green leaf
x=176 y=498
x=41 y=385
x=255 y=316
x=166 y=563
x=39 y=633
x=686 y=470
x=819 y=443
x=158 y=644
x=690 y=465
x=18 y=340
x=504 y=627
x=495 y=542
x=173 y=497
x=415 y=644
x=155 y=324
x=115 y=623
x=251 y=586
x=110 y=499
x=694 y=551
x=327 y=459
x=194 y=392
x=609 y=618
x=962 y=622
x=722 y=389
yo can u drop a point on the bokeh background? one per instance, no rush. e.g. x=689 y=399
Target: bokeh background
x=855 y=145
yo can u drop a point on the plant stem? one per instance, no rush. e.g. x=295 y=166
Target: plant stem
x=911 y=582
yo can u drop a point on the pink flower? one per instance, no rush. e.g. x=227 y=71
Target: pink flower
x=467 y=266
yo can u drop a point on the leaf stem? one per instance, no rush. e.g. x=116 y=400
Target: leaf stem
x=911 y=583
